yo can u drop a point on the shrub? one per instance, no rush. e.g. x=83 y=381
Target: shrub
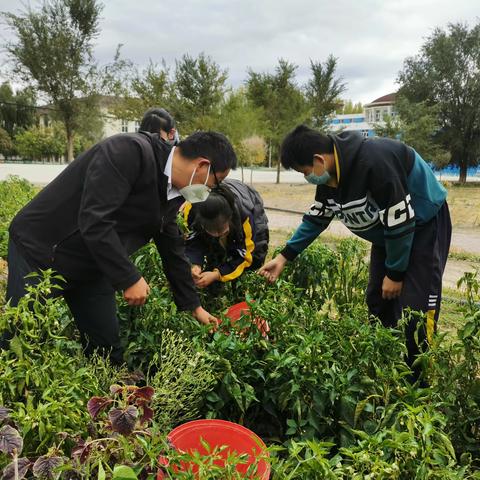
x=14 y=194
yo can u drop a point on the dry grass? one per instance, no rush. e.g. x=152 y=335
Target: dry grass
x=464 y=203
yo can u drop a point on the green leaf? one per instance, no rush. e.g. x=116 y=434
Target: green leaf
x=122 y=472
x=101 y=472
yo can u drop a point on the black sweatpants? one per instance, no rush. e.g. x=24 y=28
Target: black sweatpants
x=92 y=304
x=422 y=284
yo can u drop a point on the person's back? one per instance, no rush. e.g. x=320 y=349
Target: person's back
x=251 y=204
x=54 y=216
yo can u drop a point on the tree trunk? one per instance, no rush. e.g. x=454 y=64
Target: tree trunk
x=463 y=171
x=278 y=171
x=70 y=137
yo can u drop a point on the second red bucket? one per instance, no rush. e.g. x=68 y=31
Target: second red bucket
x=235 y=312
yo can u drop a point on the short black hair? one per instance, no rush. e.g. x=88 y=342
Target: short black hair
x=211 y=145
x=301 y=144
x=156 y=119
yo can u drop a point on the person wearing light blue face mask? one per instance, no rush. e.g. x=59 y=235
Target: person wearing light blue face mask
x=384 y=192
x=315 y=179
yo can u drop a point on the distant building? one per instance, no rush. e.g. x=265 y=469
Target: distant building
x=373 y=113
x=111 y=124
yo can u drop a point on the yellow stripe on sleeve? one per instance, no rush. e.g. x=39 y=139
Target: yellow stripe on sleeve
x=250 y=246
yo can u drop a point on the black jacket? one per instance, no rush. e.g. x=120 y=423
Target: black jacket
x=247 y=243
x=110 y=201
x=385 y=190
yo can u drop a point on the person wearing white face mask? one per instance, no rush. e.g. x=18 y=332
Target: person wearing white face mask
x=110 y=201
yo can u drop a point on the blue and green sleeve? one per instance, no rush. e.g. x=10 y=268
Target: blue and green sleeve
x=315 y=221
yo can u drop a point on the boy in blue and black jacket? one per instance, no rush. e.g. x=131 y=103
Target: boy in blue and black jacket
x=384 y=192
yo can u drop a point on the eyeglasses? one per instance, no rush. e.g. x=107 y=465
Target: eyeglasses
x=212 y=168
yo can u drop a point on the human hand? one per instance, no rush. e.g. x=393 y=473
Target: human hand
x=204 y=317
x=391 y=289
x=207 y=278
x=196 y=271
x=137 y=293
x=272 y=269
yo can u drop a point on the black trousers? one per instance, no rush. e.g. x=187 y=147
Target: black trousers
x=92 y=304
x=422 y=285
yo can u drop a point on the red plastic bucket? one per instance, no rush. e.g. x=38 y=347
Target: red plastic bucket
x=235 y=312
x=217 y=433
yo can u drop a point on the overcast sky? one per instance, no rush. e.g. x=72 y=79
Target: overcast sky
x=371 y=38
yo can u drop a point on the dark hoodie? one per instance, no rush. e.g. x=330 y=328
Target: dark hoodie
x=247 y=244
x=385 y=189
x=110 y=201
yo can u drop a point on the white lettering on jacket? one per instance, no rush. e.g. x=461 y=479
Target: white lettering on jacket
x=357 y=215
x=398 y=213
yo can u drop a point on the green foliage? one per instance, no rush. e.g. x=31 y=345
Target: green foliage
x=446 y=74
x=324 y=274
x=454 y=374
x=6 y=144
x=181 y=368
x=417 y=125
x=43 y=39
x=327 y=389
x=281 y=100
x=14 y=194
x=17 y=109
x=141 y=90
x=349 y=107
x=39 y=143
x=199 y=86
x=46 y=381
x=324 y=90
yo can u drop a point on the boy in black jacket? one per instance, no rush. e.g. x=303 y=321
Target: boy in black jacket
x=384 y=192
x=109 y=202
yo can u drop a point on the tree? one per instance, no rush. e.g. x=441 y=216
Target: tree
x=349 y=107
x=281 y=101
x=323 y=91
x=446 y=73
x=417 y=125
x=17 y=110
x=6 y=144
x=239 y=120
x=53 y=50
x=198 y=89
x=142 y=90
x=39 y=143
x=252 y=152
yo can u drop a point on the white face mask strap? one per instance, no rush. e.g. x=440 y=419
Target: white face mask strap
x=193 y=174
x=208 y=174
